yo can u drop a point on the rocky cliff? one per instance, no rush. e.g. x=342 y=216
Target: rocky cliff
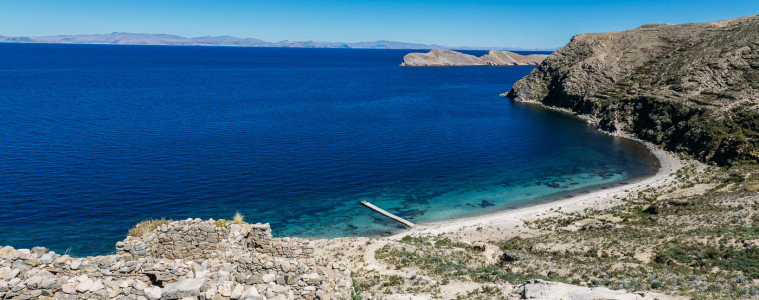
x=442 y=57
x=692 y=88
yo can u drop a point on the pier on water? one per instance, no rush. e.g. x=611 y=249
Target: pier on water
x=387 y=214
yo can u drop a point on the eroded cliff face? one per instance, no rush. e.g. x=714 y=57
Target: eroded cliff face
x=442 y=57
x=691 y=88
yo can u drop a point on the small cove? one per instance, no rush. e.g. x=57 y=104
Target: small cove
x=96 y=138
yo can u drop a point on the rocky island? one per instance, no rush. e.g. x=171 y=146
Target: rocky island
x=442 y=57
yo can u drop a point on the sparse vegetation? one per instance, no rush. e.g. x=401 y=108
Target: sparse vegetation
x=238 y=218
x=702 y=245
x=221 y=224
x=146 y=227
x=670 y=239
x=356 y=289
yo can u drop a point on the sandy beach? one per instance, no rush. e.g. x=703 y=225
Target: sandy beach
x=514 y=219
x=487 y=229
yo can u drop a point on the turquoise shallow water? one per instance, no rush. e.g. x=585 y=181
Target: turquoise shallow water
x=94 y=138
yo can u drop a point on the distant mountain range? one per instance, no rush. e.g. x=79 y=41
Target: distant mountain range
x=122 y=38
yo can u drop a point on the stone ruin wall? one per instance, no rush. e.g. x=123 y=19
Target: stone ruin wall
x=188 y=258
x=195 y=239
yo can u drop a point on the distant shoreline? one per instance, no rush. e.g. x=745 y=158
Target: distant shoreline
x=144 y=39
x=263 y=47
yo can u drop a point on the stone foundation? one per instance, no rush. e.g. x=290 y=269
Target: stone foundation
x=189 y=258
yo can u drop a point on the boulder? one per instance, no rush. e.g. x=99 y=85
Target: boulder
x=97 y=286
x=39 y=251
x=69 y=287
x=47 y=258
x=549 y=290
x=237 y=292
x=8 y=252
x=153 y=293
x=85 y=284
x=184 y=288
x=250 y=293
x=267 y=278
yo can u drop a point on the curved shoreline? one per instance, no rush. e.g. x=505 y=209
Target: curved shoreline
x=601 y=199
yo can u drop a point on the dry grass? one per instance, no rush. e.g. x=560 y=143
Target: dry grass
x=146 y=227
x=238 y=218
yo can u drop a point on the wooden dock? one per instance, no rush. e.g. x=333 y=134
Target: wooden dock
x=387 y=214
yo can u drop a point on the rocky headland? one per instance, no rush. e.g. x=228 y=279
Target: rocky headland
x=443 y=57
x=691 y=88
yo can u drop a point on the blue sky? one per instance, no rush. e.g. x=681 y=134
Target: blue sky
x=526 y=24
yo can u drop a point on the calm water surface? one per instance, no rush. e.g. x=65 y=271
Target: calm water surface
x=94 y=138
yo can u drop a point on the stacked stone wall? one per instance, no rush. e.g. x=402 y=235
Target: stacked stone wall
x=197 y=239
x=188 y=258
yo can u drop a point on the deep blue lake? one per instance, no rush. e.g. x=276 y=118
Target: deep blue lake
x=95 y=138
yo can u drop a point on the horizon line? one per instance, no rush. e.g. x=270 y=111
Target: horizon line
x=278 y=44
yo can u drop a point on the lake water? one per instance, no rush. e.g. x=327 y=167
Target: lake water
x=95 y=138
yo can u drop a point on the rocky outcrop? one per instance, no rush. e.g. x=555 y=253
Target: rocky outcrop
x=692 y=88
x=548 y=290
x=190 y=258
x=439 y=57
x=442 y=57
x=506 y=58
